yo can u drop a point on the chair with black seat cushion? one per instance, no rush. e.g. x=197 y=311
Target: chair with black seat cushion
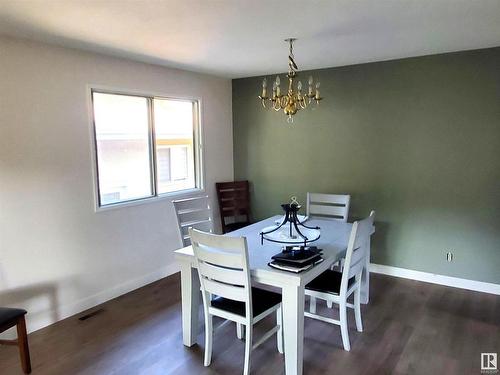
x=336 y=287
x=329 y=207
x=227 y=291
x=234 y=204
x=9 y=318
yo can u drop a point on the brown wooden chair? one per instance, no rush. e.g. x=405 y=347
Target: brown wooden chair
x=234 y=204
x=15 y=317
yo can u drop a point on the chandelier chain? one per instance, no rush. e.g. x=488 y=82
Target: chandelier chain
x=291 y=62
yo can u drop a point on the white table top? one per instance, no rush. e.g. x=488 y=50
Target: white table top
x=333 y=241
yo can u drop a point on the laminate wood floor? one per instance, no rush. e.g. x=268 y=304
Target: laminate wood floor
x=410 y=328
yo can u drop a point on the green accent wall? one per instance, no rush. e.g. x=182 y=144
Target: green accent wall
x=417 y=140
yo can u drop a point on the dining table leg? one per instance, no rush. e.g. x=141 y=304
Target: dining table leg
x=190 y=293
x=293 y=328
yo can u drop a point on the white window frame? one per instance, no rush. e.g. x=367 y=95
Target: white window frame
x=198 y=143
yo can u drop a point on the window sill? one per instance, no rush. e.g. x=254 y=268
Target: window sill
x=162 y=197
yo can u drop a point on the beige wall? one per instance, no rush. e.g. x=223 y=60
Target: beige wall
x=57 y=255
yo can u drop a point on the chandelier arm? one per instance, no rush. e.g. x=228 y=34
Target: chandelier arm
x=284 y=101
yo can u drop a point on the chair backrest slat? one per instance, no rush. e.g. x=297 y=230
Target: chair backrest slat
x=356 y=268
x=224 y=275
x=193 y=212
x=365 y=228
x=235 y=293
x=316 y=209
x=357 y=250
x=193 y=223
x=358 y=254
x=331 y=206
x=223 y=259
x=234 y=202
x=222 y=267
x=330 y=198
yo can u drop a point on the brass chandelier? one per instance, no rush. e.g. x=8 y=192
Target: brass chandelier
x=292 y=101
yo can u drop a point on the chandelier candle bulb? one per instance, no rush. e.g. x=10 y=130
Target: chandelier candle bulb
x=310 y=86
x=317 y=97
x=264 y=88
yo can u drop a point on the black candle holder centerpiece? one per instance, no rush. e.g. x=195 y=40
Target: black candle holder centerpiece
x=293 y=221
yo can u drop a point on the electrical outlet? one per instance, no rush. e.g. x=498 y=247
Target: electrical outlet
x=449 y=256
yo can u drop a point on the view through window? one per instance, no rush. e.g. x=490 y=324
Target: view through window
x=173 y=122
x=127 y=155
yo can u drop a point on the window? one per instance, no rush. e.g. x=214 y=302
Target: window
x=145 y=146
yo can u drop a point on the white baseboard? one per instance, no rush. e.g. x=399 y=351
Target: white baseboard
x=456 y=282
x=47 y=317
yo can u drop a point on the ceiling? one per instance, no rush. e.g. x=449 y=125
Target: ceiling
x=237 y=38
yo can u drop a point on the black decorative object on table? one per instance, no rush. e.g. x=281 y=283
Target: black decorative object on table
x=296 y=258
x=298 y=254
x=293 y=221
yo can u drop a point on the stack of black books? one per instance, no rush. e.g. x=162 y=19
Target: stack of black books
x=296 y=258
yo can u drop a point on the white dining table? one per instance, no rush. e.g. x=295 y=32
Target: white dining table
x=333 y=240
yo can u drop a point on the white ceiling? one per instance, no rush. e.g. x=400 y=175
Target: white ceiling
x=237 y=38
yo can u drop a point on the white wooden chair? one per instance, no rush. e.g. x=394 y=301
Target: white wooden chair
x=328 y=206
x=195 y=213
x=224 y=273
x=336 y=287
